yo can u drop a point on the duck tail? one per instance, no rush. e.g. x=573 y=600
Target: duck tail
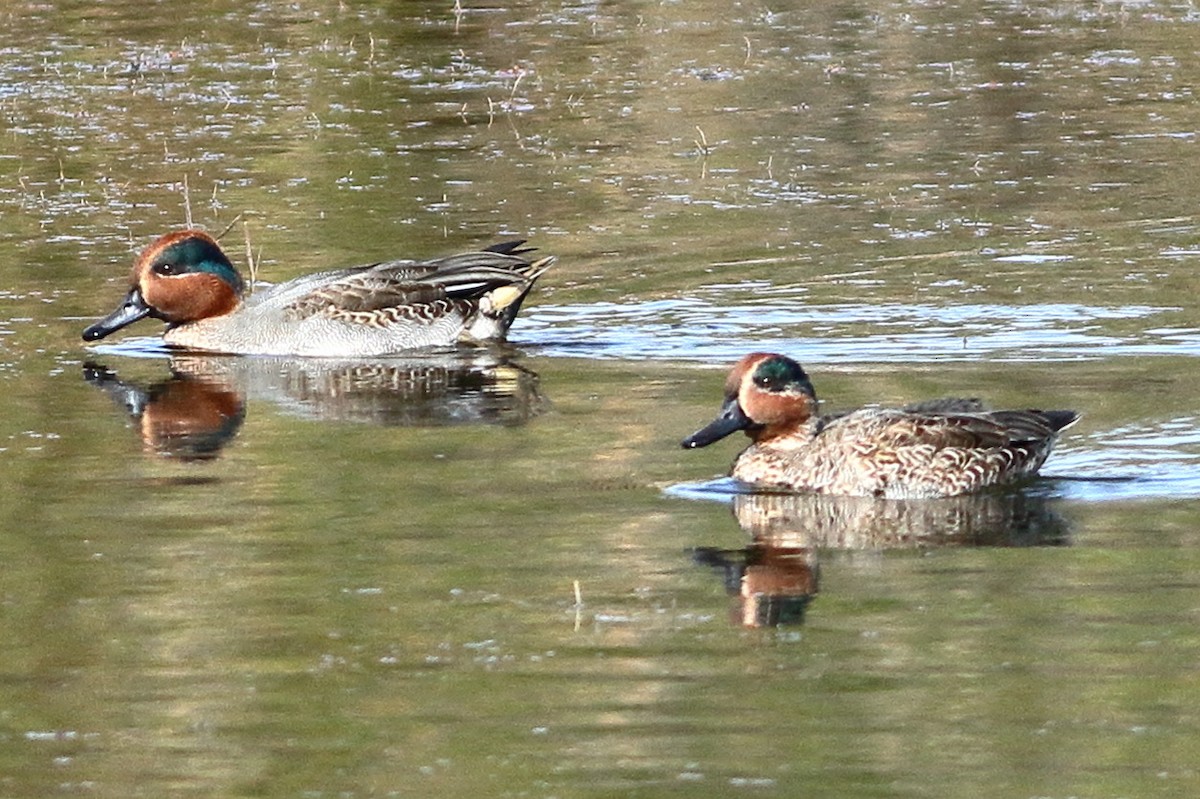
x=1059 y=420
x=501 y=305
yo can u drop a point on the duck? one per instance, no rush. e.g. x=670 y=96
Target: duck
x=185 y=280
x=938 y=448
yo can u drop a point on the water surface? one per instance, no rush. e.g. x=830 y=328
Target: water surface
x=499 y=575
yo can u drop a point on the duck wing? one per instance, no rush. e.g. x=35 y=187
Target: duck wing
x=416 y=289
x=941 y=430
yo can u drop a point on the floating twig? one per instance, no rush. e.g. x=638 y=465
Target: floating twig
x=187 y=202
x=250 y=259
x=578 y=607
x=229 y=227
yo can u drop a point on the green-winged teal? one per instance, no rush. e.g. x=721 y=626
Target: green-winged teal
x=932 y=449
x=185 y=280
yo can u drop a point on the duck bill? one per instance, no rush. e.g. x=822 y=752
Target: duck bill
x=731 y=419
x=131 y=310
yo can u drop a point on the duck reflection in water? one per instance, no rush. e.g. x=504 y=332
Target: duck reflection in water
x=200 y=407
x=775 y=578
x=772 y=585
x=185 y=417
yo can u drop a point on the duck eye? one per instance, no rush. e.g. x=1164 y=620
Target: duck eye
x=764 y=381
x=164 y=268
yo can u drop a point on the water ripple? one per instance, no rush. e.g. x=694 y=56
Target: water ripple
x=696 y=329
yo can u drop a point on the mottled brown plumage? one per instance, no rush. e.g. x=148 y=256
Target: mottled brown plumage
x=932 y=449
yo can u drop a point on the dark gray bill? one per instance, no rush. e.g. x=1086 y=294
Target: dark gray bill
x=131 y=310
x=731 y=419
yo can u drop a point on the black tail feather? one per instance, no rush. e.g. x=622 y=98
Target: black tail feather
x=1059 y=420
x=510 y=247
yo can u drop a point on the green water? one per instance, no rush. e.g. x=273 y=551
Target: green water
x=501 y=576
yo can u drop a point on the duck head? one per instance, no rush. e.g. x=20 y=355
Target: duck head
x=182 y=277
x=766 y=395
